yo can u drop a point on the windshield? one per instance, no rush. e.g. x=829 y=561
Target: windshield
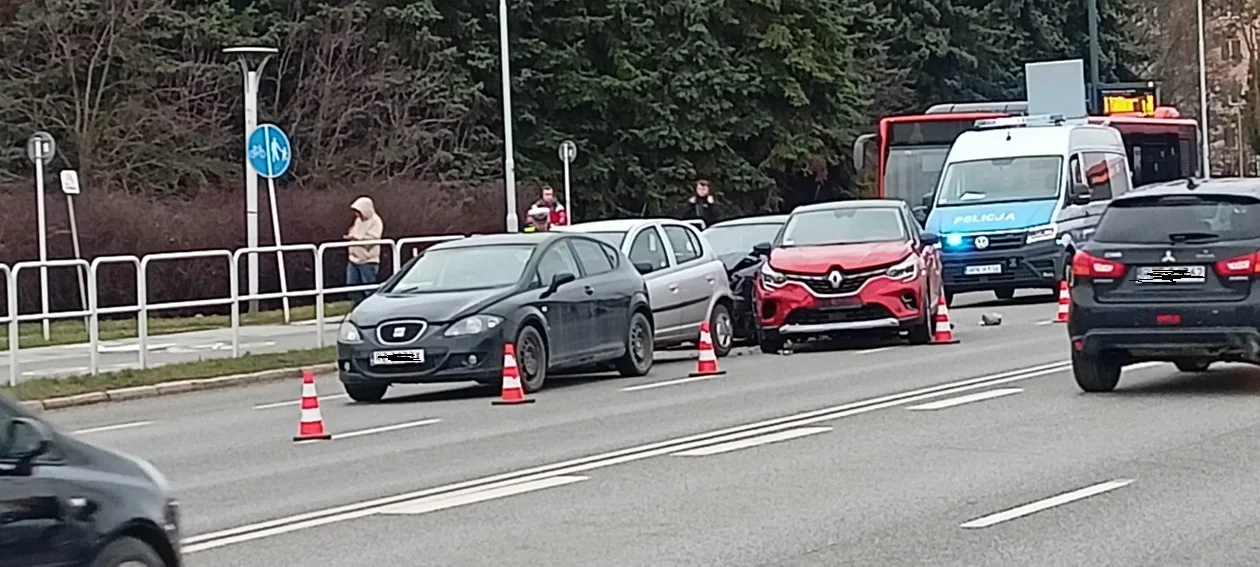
x=460 y=269
x=613 y=239
x=740 y=239
x=844 y=226
x=1180 y=219
x=911 y=172
x=1001 y=180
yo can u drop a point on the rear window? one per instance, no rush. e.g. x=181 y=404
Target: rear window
x=1180 y=218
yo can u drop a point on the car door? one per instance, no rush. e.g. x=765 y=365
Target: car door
x=605 y=293
x=647 y=247
x=929 y=254
x=568 y=311
x=35 y=529
x=695 y=278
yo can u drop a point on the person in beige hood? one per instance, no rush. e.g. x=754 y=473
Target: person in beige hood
x=365 y=261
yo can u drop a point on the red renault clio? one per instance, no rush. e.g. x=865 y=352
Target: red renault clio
x=849 y=267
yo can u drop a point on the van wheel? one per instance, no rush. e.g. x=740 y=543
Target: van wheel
x=1005 y=293
x=1096 y=373
x=130 y=552
x=1193 y=365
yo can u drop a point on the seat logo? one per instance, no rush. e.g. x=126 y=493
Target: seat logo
x=982 y=242
x=1168 y=257
x=835 y=278
x=400 y=332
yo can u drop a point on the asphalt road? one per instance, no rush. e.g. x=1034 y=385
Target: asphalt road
x=980 y=453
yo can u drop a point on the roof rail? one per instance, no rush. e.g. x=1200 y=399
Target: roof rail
x=1020 y=121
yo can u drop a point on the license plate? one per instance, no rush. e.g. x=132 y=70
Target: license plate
x=982 y=270
x=385 y=357
x=1172 y=274
x=839 y=302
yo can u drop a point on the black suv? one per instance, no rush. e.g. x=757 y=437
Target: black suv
x=1172 y=274
x=67 y=503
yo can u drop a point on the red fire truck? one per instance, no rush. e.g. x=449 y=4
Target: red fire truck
x=912 y=149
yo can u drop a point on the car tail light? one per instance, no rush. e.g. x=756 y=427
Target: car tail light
x=1245 y=265
x=1087 y=266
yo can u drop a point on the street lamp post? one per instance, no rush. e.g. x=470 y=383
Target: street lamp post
x=252 y=77
x=509 y=161
x=1203 y=105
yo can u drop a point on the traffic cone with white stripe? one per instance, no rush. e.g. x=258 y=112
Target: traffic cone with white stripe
x=707 y=364
x=310 y=423
x=1065 y=301
x=513 y=393
x=944 y=334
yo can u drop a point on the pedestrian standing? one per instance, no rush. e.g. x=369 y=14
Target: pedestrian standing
x=700 y=205
x=364 y=261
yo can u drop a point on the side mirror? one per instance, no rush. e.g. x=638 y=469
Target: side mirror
x=929 y=238
x=559 y=280
x=920 y=214
x=25 y=439
x=1079 y=194
x=762 y=248
x=644 y=268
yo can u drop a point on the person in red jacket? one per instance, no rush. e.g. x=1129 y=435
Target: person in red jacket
x=559 y=215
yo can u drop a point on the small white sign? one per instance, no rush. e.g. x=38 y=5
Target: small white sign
x=69 y=182
x=983 y=270
x=568 y=151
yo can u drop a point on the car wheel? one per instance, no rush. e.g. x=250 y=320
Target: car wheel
x=128 y=552
x=949 y=299
x=1193 y=365
x=366 y=392
x=1005 y=293
x=639 y=355
x=921 y=333
x=721 y=329
x=1097 y=373
x=531 y=359
x=769 y=344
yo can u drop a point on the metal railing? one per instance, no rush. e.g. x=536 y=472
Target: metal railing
x=143 y=308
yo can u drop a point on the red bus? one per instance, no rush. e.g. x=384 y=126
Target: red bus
x=912 y=149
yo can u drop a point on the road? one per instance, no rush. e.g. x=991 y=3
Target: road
x=975 y=454
x=73 y=360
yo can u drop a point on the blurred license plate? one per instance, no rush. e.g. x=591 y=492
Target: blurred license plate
x=384 y=357
x=982 y=270
x=1172 y=274
x=839 y=302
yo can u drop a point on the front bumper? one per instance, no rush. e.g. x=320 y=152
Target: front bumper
x=882 y=304
x=476 y=358
x=1031 y=266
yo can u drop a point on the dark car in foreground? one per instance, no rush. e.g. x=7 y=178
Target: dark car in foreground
x=733 y=242
x=64 y=502
x=849 y=267
x=564 y=300
x=1171 y=274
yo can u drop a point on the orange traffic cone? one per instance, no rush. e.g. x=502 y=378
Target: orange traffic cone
x=707 y=364
x=311 y=423
x=512 y=392
x=944 y=334
x=1065 y=300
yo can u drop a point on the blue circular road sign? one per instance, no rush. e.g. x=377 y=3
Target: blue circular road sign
x=269 y=151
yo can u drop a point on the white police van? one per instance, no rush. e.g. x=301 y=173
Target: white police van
x=1016 y=193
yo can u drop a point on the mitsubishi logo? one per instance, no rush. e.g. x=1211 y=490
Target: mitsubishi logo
x=982 y=242
x=1168 y=257
x=399 y=332
x=835 y=278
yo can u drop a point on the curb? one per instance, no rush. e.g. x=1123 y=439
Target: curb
x=171 y=388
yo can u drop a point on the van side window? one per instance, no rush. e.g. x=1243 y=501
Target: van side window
x=1097 y=176
x=1118 y=167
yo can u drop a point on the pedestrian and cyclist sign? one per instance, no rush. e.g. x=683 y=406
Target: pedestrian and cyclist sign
x=269 y=151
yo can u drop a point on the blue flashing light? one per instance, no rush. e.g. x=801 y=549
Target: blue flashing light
x=954 y=240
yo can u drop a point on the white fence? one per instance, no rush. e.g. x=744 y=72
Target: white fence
x=142 y=308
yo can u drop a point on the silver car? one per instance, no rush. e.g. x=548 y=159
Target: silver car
x=687 y=283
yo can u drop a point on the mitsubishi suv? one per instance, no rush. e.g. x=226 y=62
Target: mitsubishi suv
x=1171 y=274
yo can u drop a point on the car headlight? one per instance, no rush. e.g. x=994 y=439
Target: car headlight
x=904 y=270
x=474 y=325
x=771 y=277
x=348 y=333
x=1042 y=233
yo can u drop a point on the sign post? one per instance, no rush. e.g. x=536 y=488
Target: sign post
x=70 y=186
x=568 y=153
x=40 y=148
x=270 y=154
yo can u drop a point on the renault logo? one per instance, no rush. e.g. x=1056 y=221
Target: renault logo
x=835 y=279
x=1168 y=257
x=982 y=242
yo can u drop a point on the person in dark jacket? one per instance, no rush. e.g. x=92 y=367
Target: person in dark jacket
x=700 y=205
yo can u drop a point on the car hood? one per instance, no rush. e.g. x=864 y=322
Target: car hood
x=434 y=307
x=820 y=259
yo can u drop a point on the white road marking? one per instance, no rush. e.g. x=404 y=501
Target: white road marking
x=298 y=522
x=977 y=397
x=132 y=347
x=667 y=383
x=375 y=430
x=873 y=350
x=753 y=442
x=298 y=402
x=73 y=370
x=113 y=427
x=434 y=504
x=1142 y=365
x=1051 y=502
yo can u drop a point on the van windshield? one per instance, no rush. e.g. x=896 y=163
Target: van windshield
x=1001 y=180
